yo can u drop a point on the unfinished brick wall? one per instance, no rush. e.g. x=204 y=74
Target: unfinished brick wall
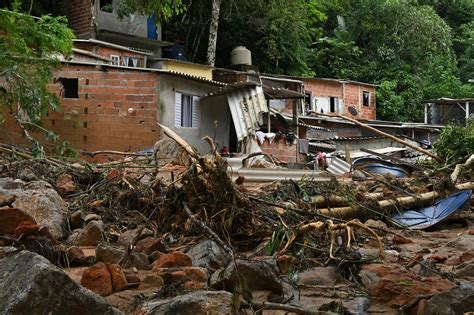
x=106 y=52
x=279 y=149
x=116 y=109
x=353 y=97
x=79 y=15
x=350 y=93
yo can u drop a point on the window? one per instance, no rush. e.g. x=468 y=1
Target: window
x=186 y=111
x=333 y=104
x=366 y=98
x=130 y=61
x=307 y=101
x=106 y=6
x=114 y=60
x=70 y=87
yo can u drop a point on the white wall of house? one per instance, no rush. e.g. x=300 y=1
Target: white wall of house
x=203 y=115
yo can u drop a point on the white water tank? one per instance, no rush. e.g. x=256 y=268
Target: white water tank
x=240 y=56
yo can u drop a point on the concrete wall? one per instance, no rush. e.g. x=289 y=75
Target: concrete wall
x=169 y=85
x=216 y=109
x=133 y=24
x=116 y=110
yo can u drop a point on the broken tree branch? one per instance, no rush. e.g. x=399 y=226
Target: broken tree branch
x=461 y=167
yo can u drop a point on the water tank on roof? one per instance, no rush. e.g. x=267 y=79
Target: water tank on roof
x=240 y=56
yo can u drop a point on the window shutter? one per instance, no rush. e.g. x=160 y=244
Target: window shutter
x=196 y=112
x=177 y=109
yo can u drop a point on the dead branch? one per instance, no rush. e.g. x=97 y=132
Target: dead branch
x=277 y=306
x=210 y=233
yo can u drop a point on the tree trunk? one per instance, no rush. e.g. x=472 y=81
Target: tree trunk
x=211 y=46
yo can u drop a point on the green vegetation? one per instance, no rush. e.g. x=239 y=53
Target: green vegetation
x=413 y=50
x=455 y=142
x=29 y=51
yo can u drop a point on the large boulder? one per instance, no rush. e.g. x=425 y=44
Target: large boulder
x=39 y=200
x=208 y=254
x=110 y=254
x=258 y=274
x=459 y=300
x=196 y=303
x=30 y=284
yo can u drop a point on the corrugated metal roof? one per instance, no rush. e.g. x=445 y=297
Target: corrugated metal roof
x=247 y=105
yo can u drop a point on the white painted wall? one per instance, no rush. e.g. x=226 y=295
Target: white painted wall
x=168 y=85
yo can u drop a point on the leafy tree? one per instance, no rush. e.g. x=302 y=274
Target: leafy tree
x=455 y=141
x=29 y=50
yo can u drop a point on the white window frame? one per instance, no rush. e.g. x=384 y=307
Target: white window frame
x=115 y=60
x=180 y=121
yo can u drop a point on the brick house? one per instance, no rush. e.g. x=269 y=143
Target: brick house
x=340 y=96
x=107 y=106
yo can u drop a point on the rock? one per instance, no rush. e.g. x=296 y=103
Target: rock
x=119 y=281
x=398 y=286
x=173 y=259
x=25 y=229
x=398 y=239
x=91 y=235
x=459 y=300
x=126 y=301
x=196 y=303
x=171 y=275
x=76 y=255
x=193 y=285
x=126 y=238
x=465 y=270
x=286 y=262
x=133 y=279
x=358 y=175
x=108 y=254
x=65 y=185
x=464 y=243
x=259 y=275
x=375 y=224
x=30 y=284
x=10 y=218
x=326 y=276
x=77 y=219
x=150 y=244
x=155 y=255
x=98 y=279
x=151 y=281
x=208 y=254
x=27 y=175
x=92 y=217
x=39 y=200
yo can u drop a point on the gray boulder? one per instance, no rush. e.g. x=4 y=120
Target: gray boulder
x=258 y=274
x=40 y=200
x=30 y=284
x=208 y=254
x=112 y=255
x=196 y=303
x=458 y=300
x=126 y=238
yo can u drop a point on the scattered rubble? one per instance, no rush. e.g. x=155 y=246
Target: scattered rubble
x=140 y=236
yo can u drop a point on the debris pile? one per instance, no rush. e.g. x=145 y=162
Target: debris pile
x=142 y=237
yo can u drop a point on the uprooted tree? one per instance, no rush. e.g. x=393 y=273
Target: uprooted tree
x=29 y=52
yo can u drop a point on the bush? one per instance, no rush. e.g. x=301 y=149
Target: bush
x=455 y=142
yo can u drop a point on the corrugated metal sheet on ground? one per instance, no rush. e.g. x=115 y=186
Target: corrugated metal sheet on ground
x=337 y=166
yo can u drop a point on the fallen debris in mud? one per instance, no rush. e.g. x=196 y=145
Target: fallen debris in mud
x=168 y=238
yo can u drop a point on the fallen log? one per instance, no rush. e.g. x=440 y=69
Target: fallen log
x=403 y=202
x=461 y=167
x=336 y=201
